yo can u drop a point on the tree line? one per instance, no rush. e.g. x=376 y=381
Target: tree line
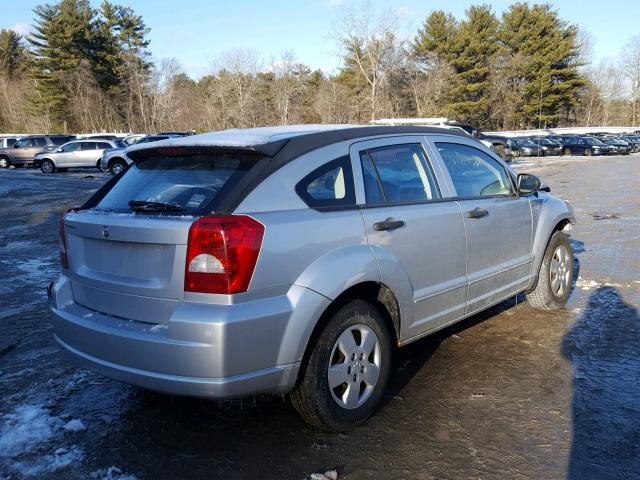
x=84 y=69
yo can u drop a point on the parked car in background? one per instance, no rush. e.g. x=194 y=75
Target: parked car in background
x=286 y=260
x=131 y=139
x=547 y=146
x=6 y=142
x=116 y=160
x=633 y=140
x=617 y=145
x=524 y=147
x=576 y=145
x=23 y=152
x=77 y=153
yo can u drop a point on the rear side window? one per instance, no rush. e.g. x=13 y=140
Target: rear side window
x=189 y=184
x=87 y=145
x=39 y=142
x=103 y=145
x=398 y=174
x=329 y=186
x=473 y=172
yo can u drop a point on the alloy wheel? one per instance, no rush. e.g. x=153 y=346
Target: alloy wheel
x=354 y=366
x=560 y=271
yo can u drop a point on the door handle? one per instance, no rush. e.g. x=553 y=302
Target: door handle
x=388 y=224
x=476 y=213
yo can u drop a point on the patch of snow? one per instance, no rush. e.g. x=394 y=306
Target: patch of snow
x=586 y=285
x=111 y=473
x=25 y=429
x=240 y=137
x=49 y=463
x=75 y=425
x=26 y=434
x=159 y=328
x=328 y=475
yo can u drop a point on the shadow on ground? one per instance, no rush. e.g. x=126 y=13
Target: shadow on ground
x=604 y=348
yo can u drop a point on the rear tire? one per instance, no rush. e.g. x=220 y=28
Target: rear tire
x=555 y=276
x=567 y=151
x=588 y=152
x=4 y=162
x=47 y=166
x=354 y=350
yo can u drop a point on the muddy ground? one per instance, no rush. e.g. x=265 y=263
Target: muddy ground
x=510 y=393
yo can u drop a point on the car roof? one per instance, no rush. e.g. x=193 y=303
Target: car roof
x=294 y=139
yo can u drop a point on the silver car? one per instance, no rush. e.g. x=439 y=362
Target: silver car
x=116 y=160
x=296 y=259
x=77 y=153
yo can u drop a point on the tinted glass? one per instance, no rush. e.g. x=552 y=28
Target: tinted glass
x=11 y=142
x=402 y=172
x=103 y=145
x=39 y=142
x=87 y=145
x=473 y=172
x=70 y=147
x=25 y=142
x=61 y=140
x=194 y=183
x=329 y=186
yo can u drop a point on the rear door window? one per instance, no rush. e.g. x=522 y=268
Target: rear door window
x=473 y=172
x=329 y=186
x=189 y=184
x=39 y=142
x=87 y=145
x=398 y=174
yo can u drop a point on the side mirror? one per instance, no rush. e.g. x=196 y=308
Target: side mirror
x=528 y=183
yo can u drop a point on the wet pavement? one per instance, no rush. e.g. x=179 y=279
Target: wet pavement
x=510 y=393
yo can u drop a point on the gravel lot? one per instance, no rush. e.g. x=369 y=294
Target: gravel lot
x=510 y=393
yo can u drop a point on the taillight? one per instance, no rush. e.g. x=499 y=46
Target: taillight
x=62 y=244
x=222 y=254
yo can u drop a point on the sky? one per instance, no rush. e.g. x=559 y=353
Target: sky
x=196 y=32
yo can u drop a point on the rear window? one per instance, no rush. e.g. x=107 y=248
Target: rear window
x=193 y=184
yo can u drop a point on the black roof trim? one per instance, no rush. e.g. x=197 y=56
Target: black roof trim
x=298 y=145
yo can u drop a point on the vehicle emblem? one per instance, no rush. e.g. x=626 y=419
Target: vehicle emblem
x=105 y=231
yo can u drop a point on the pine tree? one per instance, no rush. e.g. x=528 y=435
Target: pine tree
x=62 y=38
x=473 y=49
x=13 y=54
x=549 y=50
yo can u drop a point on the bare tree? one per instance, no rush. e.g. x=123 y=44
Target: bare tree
x=285 y=85
x=631 y=69
x=370 y=45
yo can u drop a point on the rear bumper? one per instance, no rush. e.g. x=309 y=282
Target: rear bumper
x=205 y=350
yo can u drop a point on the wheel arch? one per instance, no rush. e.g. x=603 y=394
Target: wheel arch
x=542 y=239
x=376 y=293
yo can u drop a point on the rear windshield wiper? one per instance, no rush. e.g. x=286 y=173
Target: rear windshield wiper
x=144 y=206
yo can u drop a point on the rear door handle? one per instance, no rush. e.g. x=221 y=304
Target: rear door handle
x=476 y=213
x=388 y=224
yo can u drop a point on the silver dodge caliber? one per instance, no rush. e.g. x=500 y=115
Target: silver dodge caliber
x=295 y=259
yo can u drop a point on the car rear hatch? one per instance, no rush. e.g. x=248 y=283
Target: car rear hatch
x=126 y=254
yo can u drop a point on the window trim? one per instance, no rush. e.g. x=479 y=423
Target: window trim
x=343 y=162
x=387 y=203
x=514 y=190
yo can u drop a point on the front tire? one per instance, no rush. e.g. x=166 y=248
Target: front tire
x=116 y=166
x=47 y=166
x=555 y=276
x=347 y=371
x=4 y=162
